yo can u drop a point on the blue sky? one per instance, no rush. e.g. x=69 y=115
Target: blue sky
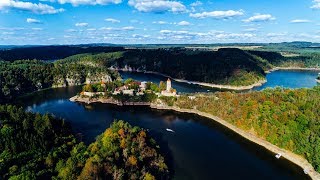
x=160 y=21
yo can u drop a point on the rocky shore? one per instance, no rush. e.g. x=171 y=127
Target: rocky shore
x=88 y=100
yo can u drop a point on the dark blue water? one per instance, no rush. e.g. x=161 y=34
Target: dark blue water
x=200 y=148
x=290 y=79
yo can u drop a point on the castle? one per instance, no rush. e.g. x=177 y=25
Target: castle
x=169 y=90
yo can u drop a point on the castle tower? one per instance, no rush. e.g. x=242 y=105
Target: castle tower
x=168 y=85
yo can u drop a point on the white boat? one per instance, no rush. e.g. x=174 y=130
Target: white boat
x=305 y=171
x=208 y=90
x=169 y=130
x=278 y=155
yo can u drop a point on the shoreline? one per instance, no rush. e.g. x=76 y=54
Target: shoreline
x=293 y=158
x=107 y=101
x=292 y=68
x=211 y=85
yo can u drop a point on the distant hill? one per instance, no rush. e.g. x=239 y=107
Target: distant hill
x=50 y=52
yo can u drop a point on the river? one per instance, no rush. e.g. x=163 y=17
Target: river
x=280 y=78
x=199 y=148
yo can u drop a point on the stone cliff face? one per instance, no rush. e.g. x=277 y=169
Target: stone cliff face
x=74 y=79
x=77 y=79
x=59 y=81
x=97 y=78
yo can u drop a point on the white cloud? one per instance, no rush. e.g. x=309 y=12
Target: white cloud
x=210 y=36
x=197 y=3
x=52 y=1
x=277 y=34
x=33 y=21
x=37 y=29
x=234 y=35
x=300 y=21
x=157 y=6
x=81 y=24
x=8 y=33
x=126 y=28
x=138 y=36
x=183 y=23
x=250 y=29
x=160 y=22
x=28 y=6
x=260 y=18
x=316 y=4
x=12 y=28
x=112 y=20
x=218 y=14
x=136 y=21
x=71 y=30
x=89 y=2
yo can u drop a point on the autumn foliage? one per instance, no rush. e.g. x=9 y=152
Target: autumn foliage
x=121 y=152
x=287 y=118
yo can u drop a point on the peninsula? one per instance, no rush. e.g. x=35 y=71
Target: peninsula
x=128 y=92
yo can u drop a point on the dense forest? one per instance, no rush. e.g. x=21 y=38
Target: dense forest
x=51 y=52
x=121 y=152
x=37 y=146
x=226 y=66
x=294 y=58
x=286 y=118
x=20 y=77
x=31 y=145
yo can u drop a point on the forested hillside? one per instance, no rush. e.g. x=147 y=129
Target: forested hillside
x=20 y=77
x=31 y=145
x=37 y=146
x=303 y=58
x=287 y=118
x=51 y=52
x=226 y=66
x=121 y=152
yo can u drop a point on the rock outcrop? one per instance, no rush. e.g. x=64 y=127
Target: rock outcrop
x=97 y=78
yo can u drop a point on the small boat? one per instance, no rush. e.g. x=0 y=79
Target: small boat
x=169 y=130
x=278 y=155
x=305 y=171
x=208 y=90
